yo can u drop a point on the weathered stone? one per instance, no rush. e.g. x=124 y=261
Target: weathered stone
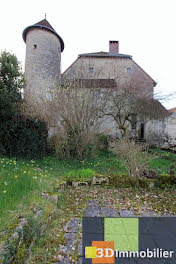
x=80 y=248
x=99 y=180
x=72 y=226
x=52 y=198
x=70 y=238
x=81 y=183
x=42 y=72
x=93 y=210
x=109 y=212
x=65 y=260
x=38 y=214
x=19 y=230
x=126 y=213
x=150 y=213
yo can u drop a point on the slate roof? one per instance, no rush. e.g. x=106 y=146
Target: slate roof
x=103 y=54
x=153 y=108
x=44 y=24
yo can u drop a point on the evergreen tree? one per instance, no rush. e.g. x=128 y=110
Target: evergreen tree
x=19 y=135
x=11 y=85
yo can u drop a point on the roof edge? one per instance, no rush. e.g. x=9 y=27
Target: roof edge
x=154 y=82
x=25 y=31
x=69 y=66
x=105 y=55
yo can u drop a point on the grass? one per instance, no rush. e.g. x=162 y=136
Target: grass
x=80 y=173
x=163 y=161
x=22 y=181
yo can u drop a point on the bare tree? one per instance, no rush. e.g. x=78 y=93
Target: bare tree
x=128 y=106
x=72 y=112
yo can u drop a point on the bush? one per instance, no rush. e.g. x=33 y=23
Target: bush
x=103 y=142
x=133 y=156
x=166 y=180
x=122 y=180
x=73 y=143
x=24 y=137
x=19 y=136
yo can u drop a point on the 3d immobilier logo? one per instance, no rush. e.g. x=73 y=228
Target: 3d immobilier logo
x=112 y=240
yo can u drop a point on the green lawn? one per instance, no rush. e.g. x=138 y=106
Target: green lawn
x=163 y=162
x=22 y=181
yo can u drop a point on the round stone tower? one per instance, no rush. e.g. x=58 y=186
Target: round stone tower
x=43 y=58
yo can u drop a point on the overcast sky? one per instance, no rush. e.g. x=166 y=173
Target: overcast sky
x=146 y=29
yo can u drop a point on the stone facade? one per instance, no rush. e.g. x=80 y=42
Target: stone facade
x=124 y=70
x=121 y=68
x=171 y=126
x=162 y=132
x=43 y=73
x=43 y=59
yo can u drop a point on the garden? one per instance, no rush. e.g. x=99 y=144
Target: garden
x=48 y=184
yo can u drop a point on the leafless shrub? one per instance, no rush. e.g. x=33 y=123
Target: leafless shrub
x=73 y=116
x=133 y=156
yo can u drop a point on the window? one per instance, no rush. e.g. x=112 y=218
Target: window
x=97 y=94
x=91 y=69
x=128 y=70
x=35 y=46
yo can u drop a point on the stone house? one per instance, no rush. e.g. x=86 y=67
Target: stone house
x=98 y=70
x=170 y=128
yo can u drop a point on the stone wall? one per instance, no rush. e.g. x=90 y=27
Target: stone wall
x=124 y=70
x=162 y=132
x=42 y=65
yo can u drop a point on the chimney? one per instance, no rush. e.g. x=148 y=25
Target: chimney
x=113 y=47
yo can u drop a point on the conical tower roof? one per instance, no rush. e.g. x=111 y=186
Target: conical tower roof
x=43 y=24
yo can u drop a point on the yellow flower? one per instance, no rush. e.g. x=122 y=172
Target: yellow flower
x=16 y=176
x=3 y=166
x=4 y=191
x=24 y=171
x=2 y=161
